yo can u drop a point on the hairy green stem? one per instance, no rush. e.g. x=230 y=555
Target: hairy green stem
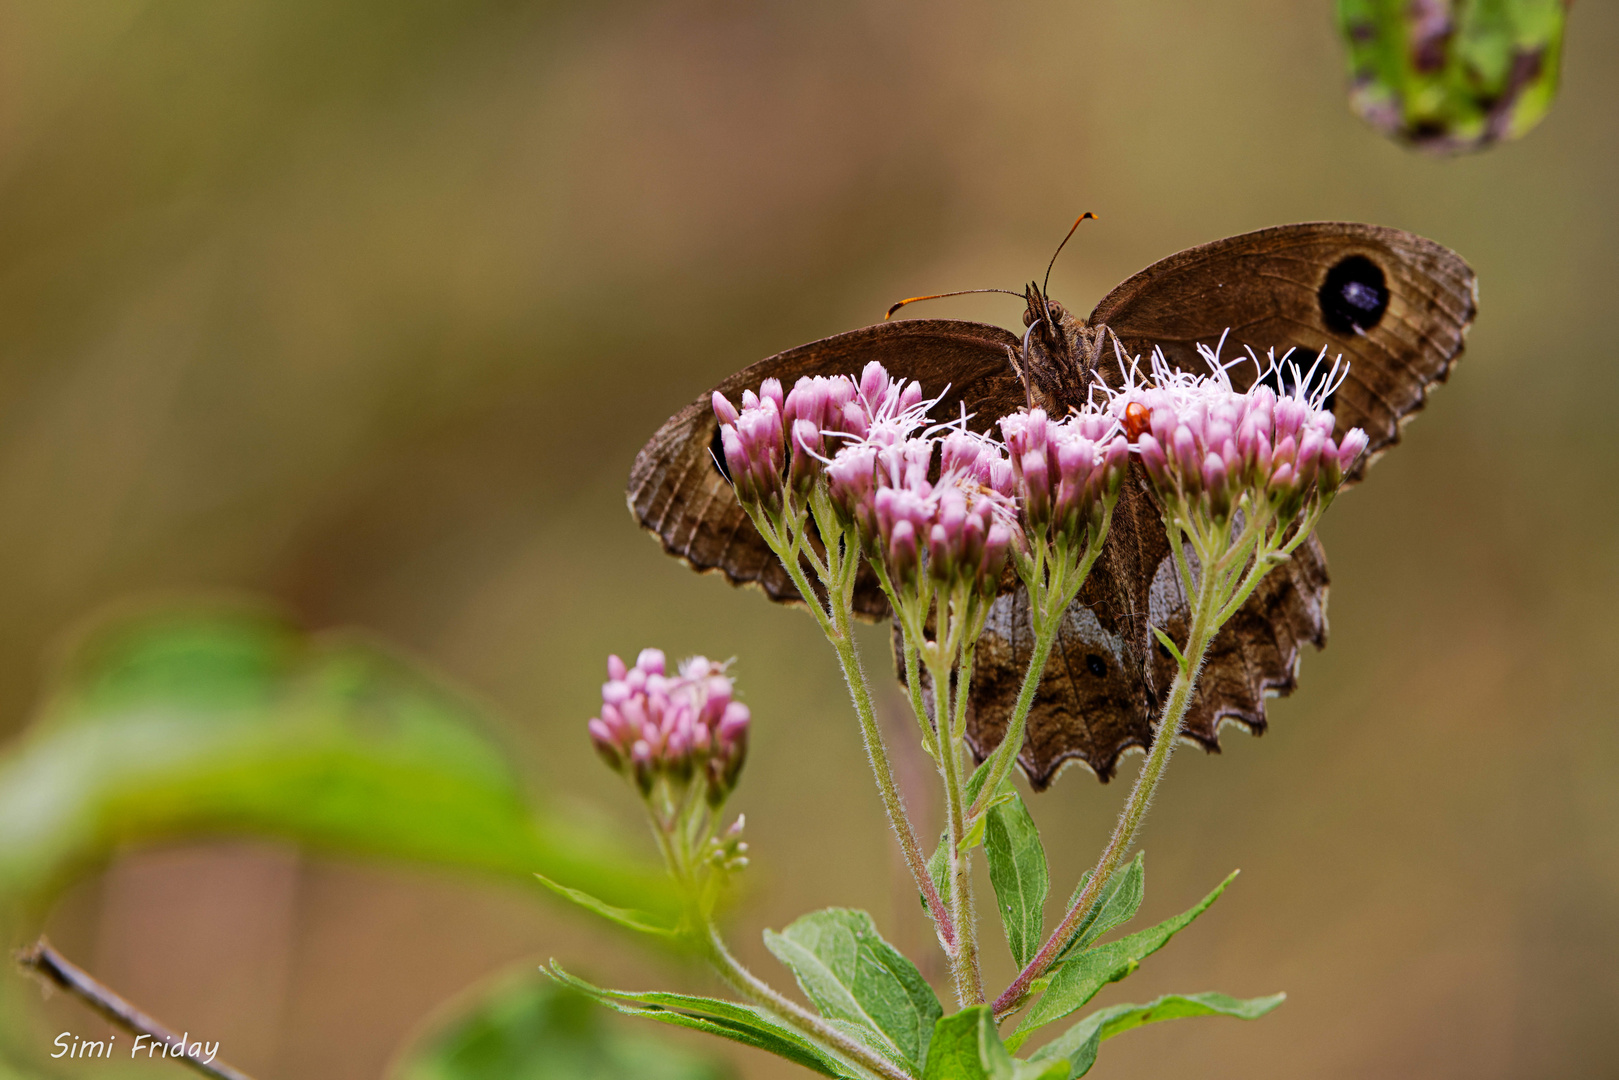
x=964 y=974
x=1135 y=808
x=887 y=785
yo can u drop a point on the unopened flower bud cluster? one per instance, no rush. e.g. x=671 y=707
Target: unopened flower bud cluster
x=1066 y=470
x=684 y=728
x=776 y=447
x=1206 y=445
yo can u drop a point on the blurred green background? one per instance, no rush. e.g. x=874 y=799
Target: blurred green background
x=367 y=306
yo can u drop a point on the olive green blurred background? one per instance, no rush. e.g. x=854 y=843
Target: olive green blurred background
x=367 y=307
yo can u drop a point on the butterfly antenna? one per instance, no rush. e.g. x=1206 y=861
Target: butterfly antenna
x=942 y=295
x=1070 y=236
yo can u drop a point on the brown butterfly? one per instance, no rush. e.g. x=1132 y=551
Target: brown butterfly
x=1395 y=305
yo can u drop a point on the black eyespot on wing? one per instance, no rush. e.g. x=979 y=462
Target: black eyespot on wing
x=1097 y=665
x=1354 y=296
x=716 y=454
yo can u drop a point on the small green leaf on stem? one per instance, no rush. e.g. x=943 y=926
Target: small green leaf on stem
x=625 y=917
x=1081 y=978
x=1167 y=643
x=1079 y=1044
x=966 y=1046
x=1018 y=872
x=531 y=1029
x=1118 y=903
x=851 y=974
x=727 y=1019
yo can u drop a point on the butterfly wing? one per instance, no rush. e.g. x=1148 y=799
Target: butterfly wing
x=1397 y=307
x=677 y=491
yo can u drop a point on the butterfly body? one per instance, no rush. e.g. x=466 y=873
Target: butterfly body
x=1394 y=305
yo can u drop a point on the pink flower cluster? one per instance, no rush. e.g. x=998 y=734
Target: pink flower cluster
x=1201 y=440
x=682 y=727
x=758 y=438
x=1066 y=469
x=965 y=522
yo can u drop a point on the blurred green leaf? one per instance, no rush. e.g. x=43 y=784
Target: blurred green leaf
x=630 y=919
x=727 y=1019
x=1081 y=978
x=533 y=1029
x=966 y=1046
x=187 y=723
x=1018 y=872
x=1079 y=1044
x=1117 y=904
x=851 y=974
x=1453 y=75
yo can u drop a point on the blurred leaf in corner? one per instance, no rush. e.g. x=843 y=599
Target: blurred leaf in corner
x=1453 y=75
x=188 y=722
x=532 y=1029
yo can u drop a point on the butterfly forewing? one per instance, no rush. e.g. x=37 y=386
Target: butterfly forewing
x=678 y=492
x=1394 y=305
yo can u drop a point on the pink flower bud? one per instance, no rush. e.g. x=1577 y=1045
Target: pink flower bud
x=1036 y=487
x=615 y=668
x=873 y=381
x=1153 y=459
x=972 y=540
x=1309 y=460
x=1281 y=481
x=1186 y=457
x=1002 y=476
x=902 y=550
x=770 y=390
x=1162 y=421
x=997 y=544
x=1286 y=452
x=1115 y=462
x=911 y=396
x=724 y=411
x=601 y=737
x=734 y=723
x=940 y=562
x=651 y=661
x=959 y=453
x=1214 y=473
x=808 y=449
x=1350 y=450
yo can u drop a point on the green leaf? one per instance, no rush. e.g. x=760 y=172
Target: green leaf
x=966 y=1046
x=185 y=722
x=1116 y=905
x=1081 y=978
x=939 y=869
x=626 y=917
x=1169 y=645
x=938 y=862
x=1482 y=71
x=851 y=974
x=534 y=1029
x=1078 y=1045
x=1017 y=870
x=727 y=1019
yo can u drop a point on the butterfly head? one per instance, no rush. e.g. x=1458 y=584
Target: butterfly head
x=1059 y=353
